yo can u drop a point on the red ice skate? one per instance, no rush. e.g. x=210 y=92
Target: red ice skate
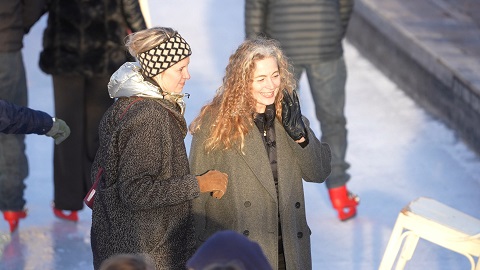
x=344 y=202
x=13 y=218
x=73 y=216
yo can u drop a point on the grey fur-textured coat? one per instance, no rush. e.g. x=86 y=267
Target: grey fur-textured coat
x=250 y=204
x=144 y=202
x=310 y=31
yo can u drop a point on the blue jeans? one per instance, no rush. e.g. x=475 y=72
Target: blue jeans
x=327 y=84
x=13 y=161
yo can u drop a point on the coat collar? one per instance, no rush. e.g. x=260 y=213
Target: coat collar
x=256 y=157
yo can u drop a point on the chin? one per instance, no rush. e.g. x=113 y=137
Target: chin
x=270 y=102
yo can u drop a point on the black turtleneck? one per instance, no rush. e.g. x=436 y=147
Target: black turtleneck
x=265 y=124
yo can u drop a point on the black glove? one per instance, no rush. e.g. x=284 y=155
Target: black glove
x=292 y=116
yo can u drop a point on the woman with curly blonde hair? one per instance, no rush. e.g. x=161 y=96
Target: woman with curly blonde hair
x=254 y=131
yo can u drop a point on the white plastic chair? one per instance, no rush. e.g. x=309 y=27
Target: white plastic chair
x=433 y=221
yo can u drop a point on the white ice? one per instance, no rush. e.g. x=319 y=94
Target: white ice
x=397 y=151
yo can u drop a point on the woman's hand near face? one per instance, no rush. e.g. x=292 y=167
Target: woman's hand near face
x=292 y=117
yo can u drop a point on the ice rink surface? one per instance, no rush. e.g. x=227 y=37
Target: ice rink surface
x=397 y=152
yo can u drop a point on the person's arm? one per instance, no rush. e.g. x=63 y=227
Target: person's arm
x=200 y=162
x=345 y=10
x=313 y=156
x=255 y=17
x=146 y=178
x=33 y=10
x=133 y=15
x=16 y=119
x=314 y=159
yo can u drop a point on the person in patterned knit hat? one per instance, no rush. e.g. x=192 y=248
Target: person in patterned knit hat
x=143 y=200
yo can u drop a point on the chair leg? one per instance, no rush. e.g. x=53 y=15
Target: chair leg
x=409 y=246
x=478 y=264
x=393 y=246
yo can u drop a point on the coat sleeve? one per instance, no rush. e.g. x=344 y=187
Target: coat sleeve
x=345 y=9
x=315 y=159
x=200 y=162
x=33 y=10
x=16 y=119
x=133 y=15
x=151 y=172
x=255 y=17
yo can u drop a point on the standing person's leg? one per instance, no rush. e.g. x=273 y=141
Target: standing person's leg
x=327 y=83
x=68 y=157
x=13 y=161
x=97 y=101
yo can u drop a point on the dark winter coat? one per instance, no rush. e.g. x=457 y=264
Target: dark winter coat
x=250 y=204
x=88 y=37
x=144 y=202
x=310 y=31
x=22 y=120
x=16 y=18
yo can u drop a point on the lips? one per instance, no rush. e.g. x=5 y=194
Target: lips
x=268 y=94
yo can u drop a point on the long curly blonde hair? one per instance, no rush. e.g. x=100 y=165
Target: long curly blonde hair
x=232 y=110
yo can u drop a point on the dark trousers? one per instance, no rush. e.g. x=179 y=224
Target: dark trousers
x=81 y=102
x=327 y=84
x=13 y=160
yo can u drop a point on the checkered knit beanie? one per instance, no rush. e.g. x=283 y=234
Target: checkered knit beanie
x=163 y=56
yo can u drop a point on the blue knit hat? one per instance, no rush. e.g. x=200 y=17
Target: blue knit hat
x=229 y=248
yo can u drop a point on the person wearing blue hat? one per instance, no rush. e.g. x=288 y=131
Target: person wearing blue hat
x=229 y=250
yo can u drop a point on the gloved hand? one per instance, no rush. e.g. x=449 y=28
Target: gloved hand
x=59 y=131
x=213 y=181
x=292 y=116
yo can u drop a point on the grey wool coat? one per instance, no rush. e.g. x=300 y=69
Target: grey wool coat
x=144 y=202
x=250 y=204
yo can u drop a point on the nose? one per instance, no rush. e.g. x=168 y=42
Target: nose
x=186 y=74
x=270 y=84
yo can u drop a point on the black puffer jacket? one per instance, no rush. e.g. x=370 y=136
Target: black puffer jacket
x=309 y=30
x=87 y=36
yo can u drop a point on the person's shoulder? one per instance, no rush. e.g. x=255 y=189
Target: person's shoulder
x=133 y=108
x=203 y=125
x=150 y=105
x=154 y=110
x=207 y=119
